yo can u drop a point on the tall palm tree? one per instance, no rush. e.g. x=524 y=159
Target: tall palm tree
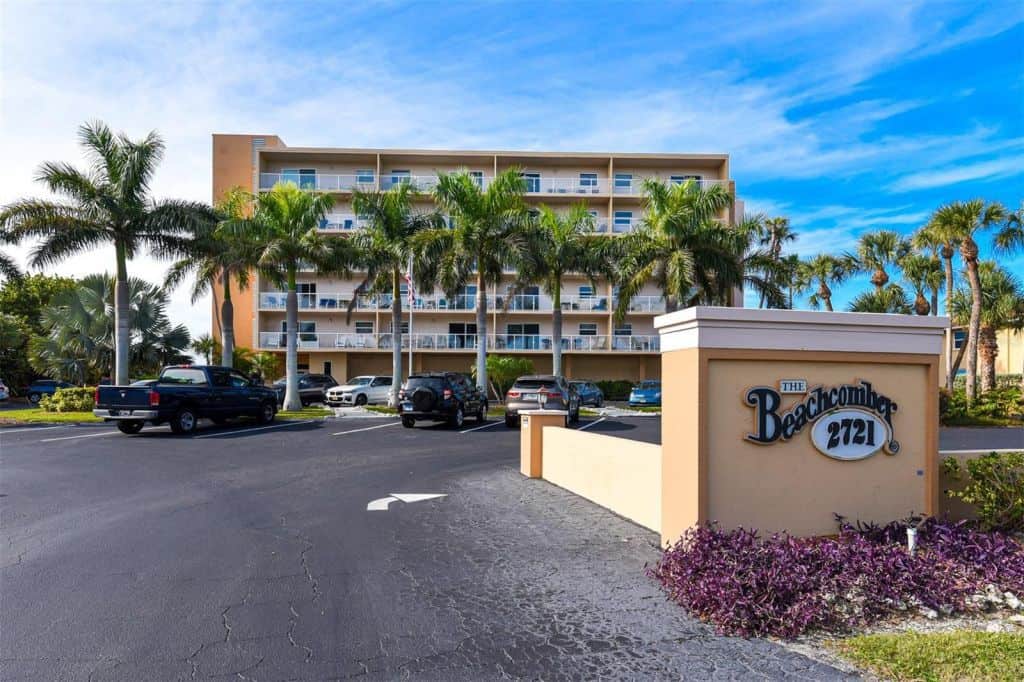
x=489 y=233
x=761 y=271
x=206 y=346
x=876 y=252
x=776 y=233
x=284 y=226
x=923 y=273
x=889 y=299
x=385 y=247
x=928 y=241
x=108 y=203
x=961 y=221
x=1002 y=307
x=563 y=244
x=825 y=270
x=681 y=246
x=217 y=256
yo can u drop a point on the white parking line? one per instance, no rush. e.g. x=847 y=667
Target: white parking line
x=593 y=423
x=477 y=428
x=35 y=428
x=368 y=428
x=257 y=428
x=85 y=435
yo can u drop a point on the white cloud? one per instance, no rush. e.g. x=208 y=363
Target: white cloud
x=980 y=170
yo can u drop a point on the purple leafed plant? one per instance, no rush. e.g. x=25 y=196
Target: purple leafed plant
x=783 y=586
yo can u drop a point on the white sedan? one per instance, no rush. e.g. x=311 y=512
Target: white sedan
x=363 y=390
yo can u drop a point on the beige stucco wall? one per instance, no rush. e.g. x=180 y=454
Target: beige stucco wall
x=622 y=475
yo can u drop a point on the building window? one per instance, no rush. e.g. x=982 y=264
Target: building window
x=532 y=181
x=364 y=177
x=959 y=336
x=478 y=178
x=586 y=291
x=680 y=179
x=364 y=327
x=624 y=181
x=305 y=178
x=405 y=327
x=588 y=329
x=623 y=221
x=624 y=330
x=400 y=176
x=588 y=180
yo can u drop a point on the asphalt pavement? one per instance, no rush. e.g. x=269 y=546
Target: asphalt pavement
x=248 y=552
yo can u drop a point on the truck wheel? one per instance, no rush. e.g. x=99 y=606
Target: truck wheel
x=408 y=422
x=266 y=413
x=184 y=421
x=34 y=398
x=511 y=422
x=361 y=399
x=481 y=413
x=457 y=419
x=129 y=426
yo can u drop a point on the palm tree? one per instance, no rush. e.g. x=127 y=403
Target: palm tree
x=1002 y=307
x=761 y=271
x=876 y=251
x=563 y=244
x=206 y=346
x=217 y=256
x=776 y=233
x=889 y=299
x=923 y=273
x=106 y=204
x=8 y=268
x=284 y=227
x=937 y=237
x=961 y=220
x=825 y=270
x=385 y=247
x=681 y=246
x=265 y=364
x=489 y=233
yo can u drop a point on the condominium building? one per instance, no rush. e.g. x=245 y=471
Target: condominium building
x=443 y=333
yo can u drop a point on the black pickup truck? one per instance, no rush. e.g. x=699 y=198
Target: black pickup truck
x=182 y=396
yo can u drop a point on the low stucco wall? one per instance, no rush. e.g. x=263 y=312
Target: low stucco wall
x=620 y=474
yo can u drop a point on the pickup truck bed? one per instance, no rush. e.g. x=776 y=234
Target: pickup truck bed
x=183 y=395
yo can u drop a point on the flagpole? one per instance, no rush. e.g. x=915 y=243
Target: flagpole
x=412 y=304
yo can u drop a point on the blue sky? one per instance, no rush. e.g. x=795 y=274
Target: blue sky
x=845 y=117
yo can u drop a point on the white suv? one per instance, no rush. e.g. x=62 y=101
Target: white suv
x=360 y=391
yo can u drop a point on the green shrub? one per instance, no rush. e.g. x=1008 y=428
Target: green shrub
x=994 y=485
x=68 y=400
x=1002 y=381
x=617 y=389
x=998 y=406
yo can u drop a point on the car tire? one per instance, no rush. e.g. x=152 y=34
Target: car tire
x=457 y=419
x=408 y=422
x=266 y=414
x=361 y=399
x=511 y=422
x=481 y=413
x=34 y=398
x=129 y=426
x=184 y=421
x=600 y=403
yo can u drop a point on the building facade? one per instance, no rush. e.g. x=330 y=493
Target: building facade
x=443 y=334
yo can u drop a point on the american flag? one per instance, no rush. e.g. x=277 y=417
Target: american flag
x=412 y=290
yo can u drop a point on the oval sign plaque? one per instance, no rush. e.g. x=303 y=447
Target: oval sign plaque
x=849 y=434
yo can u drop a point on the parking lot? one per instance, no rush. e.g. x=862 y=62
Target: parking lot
x=249 y=552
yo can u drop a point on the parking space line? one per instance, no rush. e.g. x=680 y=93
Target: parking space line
x=368 y=428
x=587 y=426
x=84 y=435
x=37 y=428
x=477 y=428
x=256 y=428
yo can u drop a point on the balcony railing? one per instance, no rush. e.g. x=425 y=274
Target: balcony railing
x=342 y=222
x=319 y=182
x=573 y=186
x=635 y=187
x=457 y=342
x=277 y=300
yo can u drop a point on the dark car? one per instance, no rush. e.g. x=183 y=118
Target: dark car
x=312 y=388
x=589 y=393
x=182 y=396
x=543 y=391
x=40 y=387
x=440 y=396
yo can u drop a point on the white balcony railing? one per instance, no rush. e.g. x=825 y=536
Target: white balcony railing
x=277 y=300
x=342 y=222
x=458 y=342
x=635 y=187
x=319 y=182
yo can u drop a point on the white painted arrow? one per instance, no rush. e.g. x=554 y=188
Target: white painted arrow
x=381 y=504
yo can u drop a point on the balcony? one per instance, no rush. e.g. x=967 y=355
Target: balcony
x=567 y=186
x=526 y=303
x=635 y=186
x=346 y=341
x=319 y=182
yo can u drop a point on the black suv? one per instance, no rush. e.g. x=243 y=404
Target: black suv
x=440 y=396
x=312 y=388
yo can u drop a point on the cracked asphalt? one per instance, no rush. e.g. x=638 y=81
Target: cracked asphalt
x=249 y=554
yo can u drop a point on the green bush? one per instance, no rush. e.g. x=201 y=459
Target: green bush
x=994 y=485
x=998 y=406
x=617 y=389
x=68 y=400
x=1002 y=381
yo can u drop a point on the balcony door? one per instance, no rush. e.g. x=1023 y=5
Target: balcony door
x=461 y=335
x=305 y=178
x=522 y=336
x=532 y=181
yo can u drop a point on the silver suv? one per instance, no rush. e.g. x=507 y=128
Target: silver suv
x=364 y=390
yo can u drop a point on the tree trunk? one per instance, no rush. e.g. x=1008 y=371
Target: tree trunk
x=947 y=256
x=935 y=302
x=970 y=256
x=988 y=350
x=122 y=323
x=292 y=399
x=396 y=337
x=921 y=306
x=227 y=317
x=481 y=332
x=825 y=294
x=556 y=329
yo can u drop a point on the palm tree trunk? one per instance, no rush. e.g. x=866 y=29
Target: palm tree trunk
x=951 y=373
x=292 y=399
x=122 y=325
x=974 y=328
x=988 y=350
x=396 y=337
x=481 y=331
x=825 y=294
x=227 y=316
x=935 y=302
x=556 y=329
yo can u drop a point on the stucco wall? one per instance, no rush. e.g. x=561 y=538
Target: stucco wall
x=622 y=475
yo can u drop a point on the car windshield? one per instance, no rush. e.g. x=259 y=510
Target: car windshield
x=359 y=381
x=528 y=384
x=647 y=385
x=182 y=375
x=436 y=383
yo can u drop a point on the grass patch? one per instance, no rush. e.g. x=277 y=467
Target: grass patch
x=938 y=656
x=34 y=415
x=305 y=413
x=969 y=420
x=644 y=408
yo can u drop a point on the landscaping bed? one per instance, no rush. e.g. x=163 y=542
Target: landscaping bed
x=34 y=415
